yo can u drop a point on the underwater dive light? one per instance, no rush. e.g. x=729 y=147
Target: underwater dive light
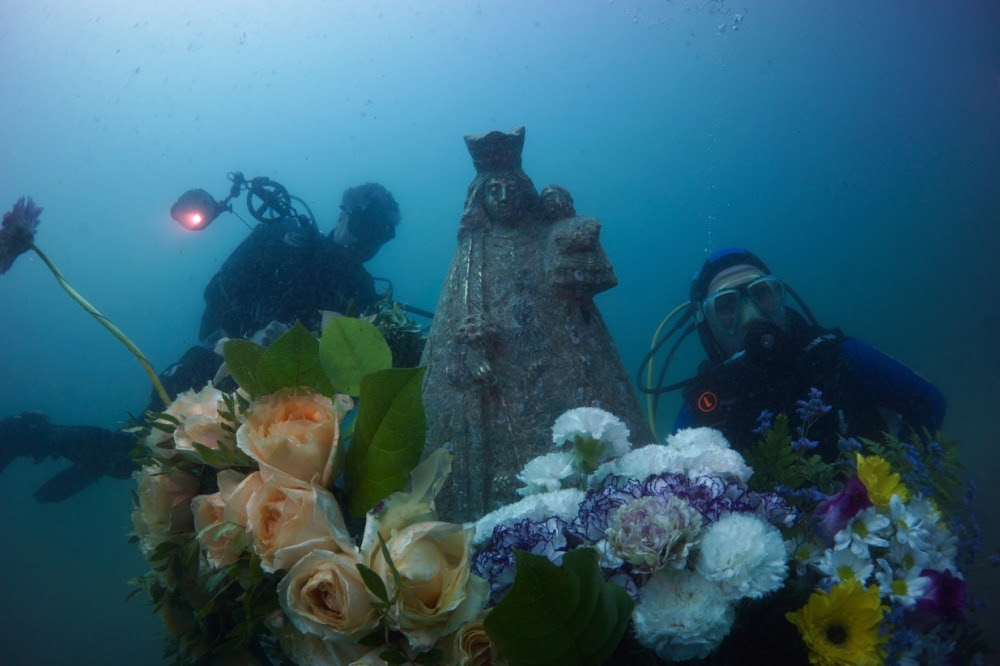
x=196 y=209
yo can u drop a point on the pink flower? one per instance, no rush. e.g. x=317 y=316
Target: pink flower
x=836 y=511
x=17 y=234
x=944 y=597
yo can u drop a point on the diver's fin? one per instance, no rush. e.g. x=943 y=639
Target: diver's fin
x=65 y=484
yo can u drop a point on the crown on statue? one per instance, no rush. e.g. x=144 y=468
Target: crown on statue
x=496 y=151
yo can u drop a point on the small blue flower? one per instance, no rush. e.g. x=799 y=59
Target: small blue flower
x=764 y=421
x=804 y=444
x=811 y=409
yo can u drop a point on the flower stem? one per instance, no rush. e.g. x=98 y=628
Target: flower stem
x=106 y=324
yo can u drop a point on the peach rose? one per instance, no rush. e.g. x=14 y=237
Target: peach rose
x=236 y=504
x=471 y=646
x=324 y=595
x=287 y=518
x=164 y=506
x=198 y=421
x=215 y=533
x=296 y=431
x=439 y=593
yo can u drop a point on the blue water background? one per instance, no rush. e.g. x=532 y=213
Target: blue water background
x=855 y=145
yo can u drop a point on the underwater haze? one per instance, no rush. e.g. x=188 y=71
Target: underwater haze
x=854 y=145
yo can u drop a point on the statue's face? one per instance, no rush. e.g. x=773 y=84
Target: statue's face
x=504 y=199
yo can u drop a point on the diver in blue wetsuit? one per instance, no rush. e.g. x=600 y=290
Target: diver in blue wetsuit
x=765 y=354
x=286 y=270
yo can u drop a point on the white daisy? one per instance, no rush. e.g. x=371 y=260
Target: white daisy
x=867 y=528
x=904 y=586
x=803 y=553
x=842 y=565
x=942 y=548
x=912 y=521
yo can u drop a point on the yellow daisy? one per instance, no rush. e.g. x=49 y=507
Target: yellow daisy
x=882 y=483
x=842 y=628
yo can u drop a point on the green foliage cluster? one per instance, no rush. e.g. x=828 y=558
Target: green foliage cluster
x=777 y=464
x=932 y=464
x=209 y=617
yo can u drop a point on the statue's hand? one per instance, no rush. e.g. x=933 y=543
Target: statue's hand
x=472 y=346
x=478 y=366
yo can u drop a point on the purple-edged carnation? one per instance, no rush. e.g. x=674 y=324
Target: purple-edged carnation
x=835 y=512
x=17 y=233
x=495 y=563
x=712 y=496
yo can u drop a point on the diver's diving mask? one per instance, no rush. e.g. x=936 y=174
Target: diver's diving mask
x=724 y=308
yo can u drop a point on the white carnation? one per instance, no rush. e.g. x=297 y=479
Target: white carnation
x=563 y=504
x=705 y=451
x=681 y=615
x=744 y=555
x=691 y=441
x=591 y=422
x=724 y=463
x=546 y=473
x=640 y=463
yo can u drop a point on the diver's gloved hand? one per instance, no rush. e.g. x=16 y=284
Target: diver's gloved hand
x=93 y=452
x=24 y=435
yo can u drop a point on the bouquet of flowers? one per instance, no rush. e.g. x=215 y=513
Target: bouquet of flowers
x=674 y=526
x=882 y=533
x=857 y=561
x=269 y=538
x=246 y=504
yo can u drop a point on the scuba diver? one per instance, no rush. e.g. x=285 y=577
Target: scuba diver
x=285 y=270
x=765 y=355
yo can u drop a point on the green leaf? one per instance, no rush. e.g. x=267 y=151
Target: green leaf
x=243 y=360
x=397 y=578
x=774 y=461
x=374 y=639
x=373 y=582
x=168 y=428
x=163 y=416
x=393 y=656
x=205 y=610
x=432 y=656
x=350 y=349
x=556 y=616
x=388 y=437
x=293 y=360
